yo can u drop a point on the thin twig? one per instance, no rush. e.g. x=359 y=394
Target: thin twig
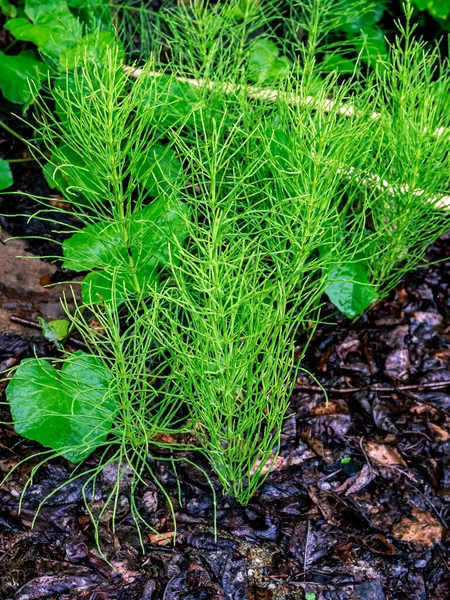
x=372 y=388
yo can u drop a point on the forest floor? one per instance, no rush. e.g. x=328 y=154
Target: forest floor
x=357 y=506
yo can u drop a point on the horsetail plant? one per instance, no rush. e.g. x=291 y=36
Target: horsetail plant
x=215 y=203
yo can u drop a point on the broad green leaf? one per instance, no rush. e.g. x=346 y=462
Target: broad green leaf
x=67 y=171
x=372 y=45
x=243 y=9
x=264 y=64
x=53 y=29
x=100 y=286
x=21 y=76
x=440 y=9
x=310 y=596
x=93 y=47
x=171 y=100
x=96 y=14
x=6 y=177
x=97 y=245
x=365 y=19
x=349 y=289
x=159 y=171
x=142 y=243
x=70 y=410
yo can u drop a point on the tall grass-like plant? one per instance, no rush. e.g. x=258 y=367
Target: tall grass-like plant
x=218 y=195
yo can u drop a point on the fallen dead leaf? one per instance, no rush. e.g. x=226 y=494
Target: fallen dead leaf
x=317 y=446
x=296 y=456
x=383 y=455
x=332 y=407
x=438 y=434
x=161 y=539
x=421 y=528
x=357 y=482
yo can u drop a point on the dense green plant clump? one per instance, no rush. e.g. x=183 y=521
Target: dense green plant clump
x=219 y=193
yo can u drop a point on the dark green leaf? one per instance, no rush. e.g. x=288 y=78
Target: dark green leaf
x=159 y=171
x=68 y=173
x=349 y=289
x=93 y=47
x=17 y=73
x=98 y=245
x=96 y=14
x=6 y=178
x=172 y=101
x=440 y=9
x=70 y=410
x=365 y=19
x=372 y=45
x=7 y=9
x=104 y=286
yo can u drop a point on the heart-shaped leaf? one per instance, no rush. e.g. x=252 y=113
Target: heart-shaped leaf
x=7 y=9
x=93 y=47
x=70 y=410
x=6 y=178
x=171 y=100
x=98 y=245
x=350 y=290
x=68 y=173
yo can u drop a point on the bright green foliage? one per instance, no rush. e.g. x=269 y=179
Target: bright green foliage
x=59 y=171
x=51 y=26
x=16 y=73
x=7 y=9
x=264 y=63
x=160 y=170
x=439 y=9
x=349 y=289
x=70 y=410
x=175 y=101
x=55 y=331
x=63 y=32
x=136 y=249
x=6 y=177
x=221 y=195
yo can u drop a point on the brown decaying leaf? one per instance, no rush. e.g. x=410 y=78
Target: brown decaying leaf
x=421 y=528
x=383 y=454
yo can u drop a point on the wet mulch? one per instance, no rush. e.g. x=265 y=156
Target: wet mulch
x=357 y=506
